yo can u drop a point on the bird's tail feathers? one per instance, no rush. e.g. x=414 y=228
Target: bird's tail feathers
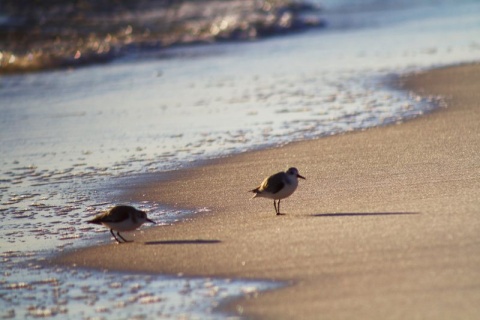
x=255 y=191
x=94 y=221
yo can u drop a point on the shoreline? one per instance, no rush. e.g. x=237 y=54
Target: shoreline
x=385 y=239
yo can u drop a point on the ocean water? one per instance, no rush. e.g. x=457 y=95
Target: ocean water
x=67 y=135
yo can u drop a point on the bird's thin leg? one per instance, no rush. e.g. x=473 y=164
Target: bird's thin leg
x=275 y=206
x=113 y=234
x=278 y=212
x=118 y=233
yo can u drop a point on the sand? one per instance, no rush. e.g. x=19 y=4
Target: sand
x=386 y=226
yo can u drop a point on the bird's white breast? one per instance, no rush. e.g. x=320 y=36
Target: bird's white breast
x=287 y=190
x=125 y=225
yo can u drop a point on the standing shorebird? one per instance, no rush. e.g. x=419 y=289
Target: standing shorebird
x=278 y=186
x=121 y=218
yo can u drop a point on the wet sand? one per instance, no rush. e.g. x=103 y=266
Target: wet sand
x=386 y=225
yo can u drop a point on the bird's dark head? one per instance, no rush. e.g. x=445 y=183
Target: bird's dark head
x=294 y=173
x=143 y=216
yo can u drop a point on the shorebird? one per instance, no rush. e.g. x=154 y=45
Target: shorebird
x=278 y=186
x=121 y=218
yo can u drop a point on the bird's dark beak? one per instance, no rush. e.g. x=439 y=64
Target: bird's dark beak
x=301 y=177
x=151 y=221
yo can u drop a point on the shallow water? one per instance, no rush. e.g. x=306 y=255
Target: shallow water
x=67 y=136
x=41 y=292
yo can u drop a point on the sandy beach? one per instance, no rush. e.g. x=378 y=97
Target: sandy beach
x=386 y=225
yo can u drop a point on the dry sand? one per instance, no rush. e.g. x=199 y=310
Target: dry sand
x=386 y=226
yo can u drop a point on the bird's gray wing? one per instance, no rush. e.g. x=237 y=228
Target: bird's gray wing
x=273 y=184
x=116 y=214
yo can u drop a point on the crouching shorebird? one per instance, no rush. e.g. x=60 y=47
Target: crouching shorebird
x=121 y=218
x=278 y=186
